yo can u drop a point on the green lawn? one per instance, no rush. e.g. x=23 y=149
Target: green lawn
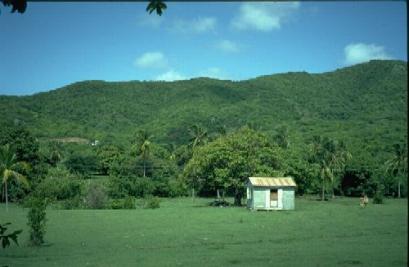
x=183 y=233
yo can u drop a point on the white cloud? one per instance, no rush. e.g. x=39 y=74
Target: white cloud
x=214 y=72
x=198 y=25
x=263 y=16
x=169 y=76
x=227 y=46
x=360 y=52
x=151 y=60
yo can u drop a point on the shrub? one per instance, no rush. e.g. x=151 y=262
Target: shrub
x=83 y=164
x=177 y=188
x=120 y=187
x=96 y=197
x=167 y=187
x=142 y=187
x=117 y=204
x=72 y=203
x=59 y=184
x=36 y=220
x=59 y=188
x=152 y=203
x=129 y=203
x=6 y=237
x=378 y=197
x=219 y=203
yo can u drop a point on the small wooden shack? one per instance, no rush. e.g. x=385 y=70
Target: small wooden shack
x=271 y=193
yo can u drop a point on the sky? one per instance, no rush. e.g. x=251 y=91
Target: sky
x=55 y=44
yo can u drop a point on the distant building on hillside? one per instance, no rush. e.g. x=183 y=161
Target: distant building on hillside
x=94 y=143
x=271 y=193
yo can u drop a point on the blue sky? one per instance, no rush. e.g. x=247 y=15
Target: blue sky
x=55 y=44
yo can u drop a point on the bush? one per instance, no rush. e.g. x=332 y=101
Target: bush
x=219 y=203
x=36 y=220
x=177 y=188
x=83 y=164
x=378 y=197
x=152 y=203
x=127 y=203
x=59 y=188
x=96 y=197
x=72 y=203
x=6 y=237
x=165 y=187
x=59 y=184
x=120 y=187
x=142 y=187
x=117 y=204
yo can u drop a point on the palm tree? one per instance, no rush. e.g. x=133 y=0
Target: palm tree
x=326 y=176
x=397 y=165
x=331 y=157
x=143 y=139
x=8 y=166
x=198 y=136
x=318 y=156
x=157 y=5
x=338 y=157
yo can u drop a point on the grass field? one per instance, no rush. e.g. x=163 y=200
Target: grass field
x=186 y=233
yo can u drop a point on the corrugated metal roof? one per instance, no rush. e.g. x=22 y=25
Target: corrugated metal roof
x=272 y=181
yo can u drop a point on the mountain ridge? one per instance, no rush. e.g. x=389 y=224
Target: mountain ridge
x=366 y=101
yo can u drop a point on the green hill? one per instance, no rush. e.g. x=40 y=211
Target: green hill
x=365 y=105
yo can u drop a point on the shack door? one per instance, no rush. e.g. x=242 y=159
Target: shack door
x=273 y=198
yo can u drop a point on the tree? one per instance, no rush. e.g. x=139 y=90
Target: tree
x=53 y=153
x=82 y=163
x=331 y=157
x=397 y=165
x=228 y=161
x=8 y=169
x=198 y=136
x=156 y=5
x=37 y=219
x=17 y=5
x=107 y=155
x=143 y=147
x=281 y=137
x=21 y=5
x=339 y=157
x=25 y=145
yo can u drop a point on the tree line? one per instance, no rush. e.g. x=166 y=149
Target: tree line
x=208 y=165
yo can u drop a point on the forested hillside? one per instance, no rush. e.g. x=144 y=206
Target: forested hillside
x=365 y=105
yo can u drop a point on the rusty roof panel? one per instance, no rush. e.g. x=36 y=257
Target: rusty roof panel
x=272 y=181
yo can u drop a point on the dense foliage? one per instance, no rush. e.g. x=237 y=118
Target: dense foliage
x=6 y=237
x=342 y=132
x=228 y=161
x=37 y=220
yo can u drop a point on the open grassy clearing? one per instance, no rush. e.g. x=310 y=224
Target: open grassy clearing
x=186 y=233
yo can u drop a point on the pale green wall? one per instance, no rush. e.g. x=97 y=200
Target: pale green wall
x=288 y=198
x=259 y=198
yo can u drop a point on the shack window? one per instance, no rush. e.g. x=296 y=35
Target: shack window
x=273 y=194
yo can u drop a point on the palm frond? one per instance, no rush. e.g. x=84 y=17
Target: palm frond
x=156 y=5
x=8 y=174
